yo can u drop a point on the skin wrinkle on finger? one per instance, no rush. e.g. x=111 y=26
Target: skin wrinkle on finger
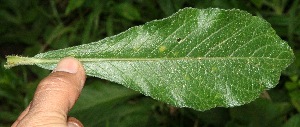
x=50 y=116
x=60 y=83
x=58 y=108
x=53 y=91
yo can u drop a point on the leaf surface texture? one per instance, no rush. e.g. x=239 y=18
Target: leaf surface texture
x=195 y=58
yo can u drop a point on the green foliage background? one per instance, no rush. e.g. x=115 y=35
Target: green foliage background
x=34 y=26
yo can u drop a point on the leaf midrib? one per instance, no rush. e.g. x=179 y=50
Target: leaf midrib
x=16 y=60
x=156 y=59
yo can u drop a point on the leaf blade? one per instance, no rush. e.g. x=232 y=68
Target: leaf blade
x=194 y=58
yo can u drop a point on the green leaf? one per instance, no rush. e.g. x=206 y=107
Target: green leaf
x=257 y=3
x=295 y=99
x=194 y=58
x=260 y=113
x=294 y=121
x=72 y=5
x=128 y=11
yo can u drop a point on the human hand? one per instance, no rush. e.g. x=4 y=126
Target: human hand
x=54 y=97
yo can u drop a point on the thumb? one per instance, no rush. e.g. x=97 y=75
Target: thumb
x=55 y=96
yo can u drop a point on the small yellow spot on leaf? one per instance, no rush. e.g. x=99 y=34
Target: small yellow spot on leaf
x=214 y=69
x=186 y=77
x=162 y=48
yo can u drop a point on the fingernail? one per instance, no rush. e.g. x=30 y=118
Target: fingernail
x=68 y=64
x=71 y=124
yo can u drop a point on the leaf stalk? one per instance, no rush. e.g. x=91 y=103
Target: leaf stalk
x=20 y=60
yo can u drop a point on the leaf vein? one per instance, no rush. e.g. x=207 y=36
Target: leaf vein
x=220 y=29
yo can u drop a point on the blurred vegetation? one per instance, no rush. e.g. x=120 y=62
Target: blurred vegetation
x=32 y=26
